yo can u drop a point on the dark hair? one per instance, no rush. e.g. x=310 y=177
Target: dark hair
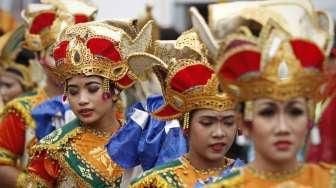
x=21 y=58
x=24 y=56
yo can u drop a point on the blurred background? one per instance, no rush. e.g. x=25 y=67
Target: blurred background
x=171 y=15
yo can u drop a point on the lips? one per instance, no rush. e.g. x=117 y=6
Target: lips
x=217 y=147
x=283 y=145
x=85 y=112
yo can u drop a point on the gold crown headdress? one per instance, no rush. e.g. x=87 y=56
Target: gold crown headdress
x=10 y=50
x=46 y=20
x=278 y=66
x=297 y=17
x=97 y=48
x=299 y=25
x=187 y=79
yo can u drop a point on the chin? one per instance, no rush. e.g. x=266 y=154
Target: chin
x=87 y=121
x=283 y=156
x=215 y=156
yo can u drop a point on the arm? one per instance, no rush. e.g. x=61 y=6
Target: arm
x=43 y=170
x=12 y=140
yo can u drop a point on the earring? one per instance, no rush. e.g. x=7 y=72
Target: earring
x=186 y=119
x=64 y=97
x=106 y=89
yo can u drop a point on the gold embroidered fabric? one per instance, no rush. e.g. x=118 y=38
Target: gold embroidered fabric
x=91 y=148
x=310 y=176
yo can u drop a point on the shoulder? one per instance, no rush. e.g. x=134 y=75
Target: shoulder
x=59 y=137
x=161 y=175
x=24 y=105
x=322 y=169
x=234 y=178
x=29 y=99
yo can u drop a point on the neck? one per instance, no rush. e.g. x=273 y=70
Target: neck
x=52 y=89
x=200 y=162
x=262 y=164
x=108 y=123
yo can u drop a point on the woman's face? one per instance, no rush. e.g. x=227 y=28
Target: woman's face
x=278 y=128
x=85 y=95
x=212 y=133
x=9 y=88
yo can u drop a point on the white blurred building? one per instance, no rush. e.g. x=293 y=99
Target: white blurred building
x=170 y=13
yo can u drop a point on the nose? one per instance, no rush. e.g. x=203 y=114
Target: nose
x=282 y=127
x=218 y=131
x=83 y=99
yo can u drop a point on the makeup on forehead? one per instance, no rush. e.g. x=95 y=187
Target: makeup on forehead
x=208 y=111
x=86 y=79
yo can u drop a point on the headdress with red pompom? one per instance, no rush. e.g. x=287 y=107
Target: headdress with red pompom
x=187 y=79
x=46 y=20
x=278 y=66
x=272 y=49
x=271 y=45
x=97 y=48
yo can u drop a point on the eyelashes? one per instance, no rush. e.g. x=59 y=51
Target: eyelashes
x=295 y=112
x=91 y=89
x=72 y=91
x=292 y=112
x=226 y=122
x=268 y=112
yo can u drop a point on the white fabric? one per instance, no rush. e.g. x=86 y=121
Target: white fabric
x=129 y=175
x=171 y=124
x=140 y=117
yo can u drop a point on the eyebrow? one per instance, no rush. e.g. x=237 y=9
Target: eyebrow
x=92 y=82
x=272 y=104
x=86 y=84
x=294 y=102
x=216 y=117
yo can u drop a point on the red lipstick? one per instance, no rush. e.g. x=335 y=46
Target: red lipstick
x=217 y=147
x=282 y=145
x=86 y=112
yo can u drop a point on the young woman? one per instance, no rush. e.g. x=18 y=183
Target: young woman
x=191 y=92
x=17 y=125
x=278 y=84
x=16 y=75
x=91 y=62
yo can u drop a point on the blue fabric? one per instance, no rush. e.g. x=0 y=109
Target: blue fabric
x=149 y=146
x=234 y=166
x=43 y=115
x=123 y=146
